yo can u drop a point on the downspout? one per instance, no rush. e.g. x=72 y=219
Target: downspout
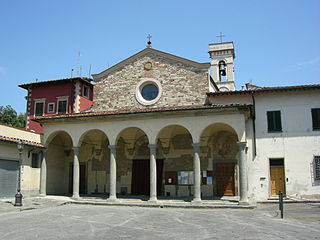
x=253 y=115
x=27 y=112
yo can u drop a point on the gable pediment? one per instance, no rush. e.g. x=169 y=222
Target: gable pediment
x=150 y=51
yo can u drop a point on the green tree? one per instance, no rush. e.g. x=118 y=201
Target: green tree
x=9 y=116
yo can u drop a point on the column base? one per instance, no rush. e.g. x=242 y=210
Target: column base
x=153 y=200
x=112 y=199
x=196 y=200
x=243 y=202
x=42 y=195
x=75 y=196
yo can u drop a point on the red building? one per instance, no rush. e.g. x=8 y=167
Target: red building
x=54 y=97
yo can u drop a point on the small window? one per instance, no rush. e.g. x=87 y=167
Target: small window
x=50 y=107
x=62 y=106
x=39 y=108
x=35 y=162
x=316 y=160
x=274 y=121
x=315 y=112
x=86 y=91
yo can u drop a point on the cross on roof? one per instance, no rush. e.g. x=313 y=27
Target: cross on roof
x=149 y=39
x=221 y=36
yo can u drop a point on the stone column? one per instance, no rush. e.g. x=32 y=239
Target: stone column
x=196 y=171
x=76 y=172
x=113 y=173
x=243 y=177
x=43 y=174
x=153 y=172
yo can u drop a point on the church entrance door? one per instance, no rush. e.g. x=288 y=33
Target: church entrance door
x=225 y=179
x=140 y=184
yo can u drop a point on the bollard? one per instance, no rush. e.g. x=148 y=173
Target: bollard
x=281 y=203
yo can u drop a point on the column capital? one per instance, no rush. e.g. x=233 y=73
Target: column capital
x=113 y=148
x=76 y=150
x=196 y=147
x=242 y=145
x=153 y=148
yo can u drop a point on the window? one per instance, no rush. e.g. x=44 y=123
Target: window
x=35 y=163
x=39 y=108
x=274 y=121
x=317 y=167
x=148 y=91
x=50 y=107
x=86 y=91
x=315 y=112
x=62 y=105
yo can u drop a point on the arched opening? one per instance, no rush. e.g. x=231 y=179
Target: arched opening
x=219 y=162
x=222 y=71
x=176 y=150
x=59 y=156
x=94 y=161
x=133 y=163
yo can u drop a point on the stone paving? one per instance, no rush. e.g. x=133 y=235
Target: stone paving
x=50 y=218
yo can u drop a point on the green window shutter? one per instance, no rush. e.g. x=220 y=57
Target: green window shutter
x=274 y=121
x=315 y=118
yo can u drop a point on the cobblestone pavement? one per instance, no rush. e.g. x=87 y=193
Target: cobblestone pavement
x=51 y=220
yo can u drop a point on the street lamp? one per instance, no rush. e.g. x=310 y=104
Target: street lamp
x=18 y=196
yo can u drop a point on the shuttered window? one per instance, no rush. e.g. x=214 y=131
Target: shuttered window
x=39 y=108
x=274 y=121
x=317 y=167
x=315 y=112
x=62 y=106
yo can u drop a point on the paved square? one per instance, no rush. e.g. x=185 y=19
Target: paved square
x=109 y=222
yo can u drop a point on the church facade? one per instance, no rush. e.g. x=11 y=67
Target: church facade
x=163 y=126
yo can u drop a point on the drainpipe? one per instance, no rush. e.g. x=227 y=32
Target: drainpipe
x=253 y=116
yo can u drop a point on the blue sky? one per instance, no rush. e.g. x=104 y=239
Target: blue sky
x=276 y=42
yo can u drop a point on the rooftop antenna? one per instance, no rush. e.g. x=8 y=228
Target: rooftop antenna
x=36 y=79
x=78 y=64
x=221 y=36
x=90 y=70
x=71 y=72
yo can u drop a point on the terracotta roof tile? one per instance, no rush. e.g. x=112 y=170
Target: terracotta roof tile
x=135 y=111
x=267 y=89
x=26 y=85
x=16 y=140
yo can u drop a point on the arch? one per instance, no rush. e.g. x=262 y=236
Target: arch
x=56 y=133
x=132 y=132
x=86 y=133
x=215 y=127
x=219 y=155
x=171 y=129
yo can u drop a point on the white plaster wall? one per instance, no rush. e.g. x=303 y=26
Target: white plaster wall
x=151 y=125
x=297 y=143
x=12 y=132
x=30 y=177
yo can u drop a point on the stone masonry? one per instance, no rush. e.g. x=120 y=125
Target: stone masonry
x=182 y=84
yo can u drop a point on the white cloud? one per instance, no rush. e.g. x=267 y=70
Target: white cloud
x=2 y=70
x=307 y=63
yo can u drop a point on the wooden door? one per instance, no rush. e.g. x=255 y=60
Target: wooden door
x=277 y=180
x=140 y=182
x=225 y=179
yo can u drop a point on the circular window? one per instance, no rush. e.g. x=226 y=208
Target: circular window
x=148 y=91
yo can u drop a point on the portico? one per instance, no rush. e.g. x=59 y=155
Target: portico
x=174 y=154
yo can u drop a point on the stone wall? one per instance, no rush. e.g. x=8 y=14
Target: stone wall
x=182 y=84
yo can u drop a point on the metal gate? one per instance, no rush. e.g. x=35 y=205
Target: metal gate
x=8 y=178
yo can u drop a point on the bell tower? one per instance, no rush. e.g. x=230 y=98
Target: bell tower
x=222 y=68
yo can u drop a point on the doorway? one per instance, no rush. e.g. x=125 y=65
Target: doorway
x=225 y=179
x=83 y=178
x=277 y=177
x=140 y=183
